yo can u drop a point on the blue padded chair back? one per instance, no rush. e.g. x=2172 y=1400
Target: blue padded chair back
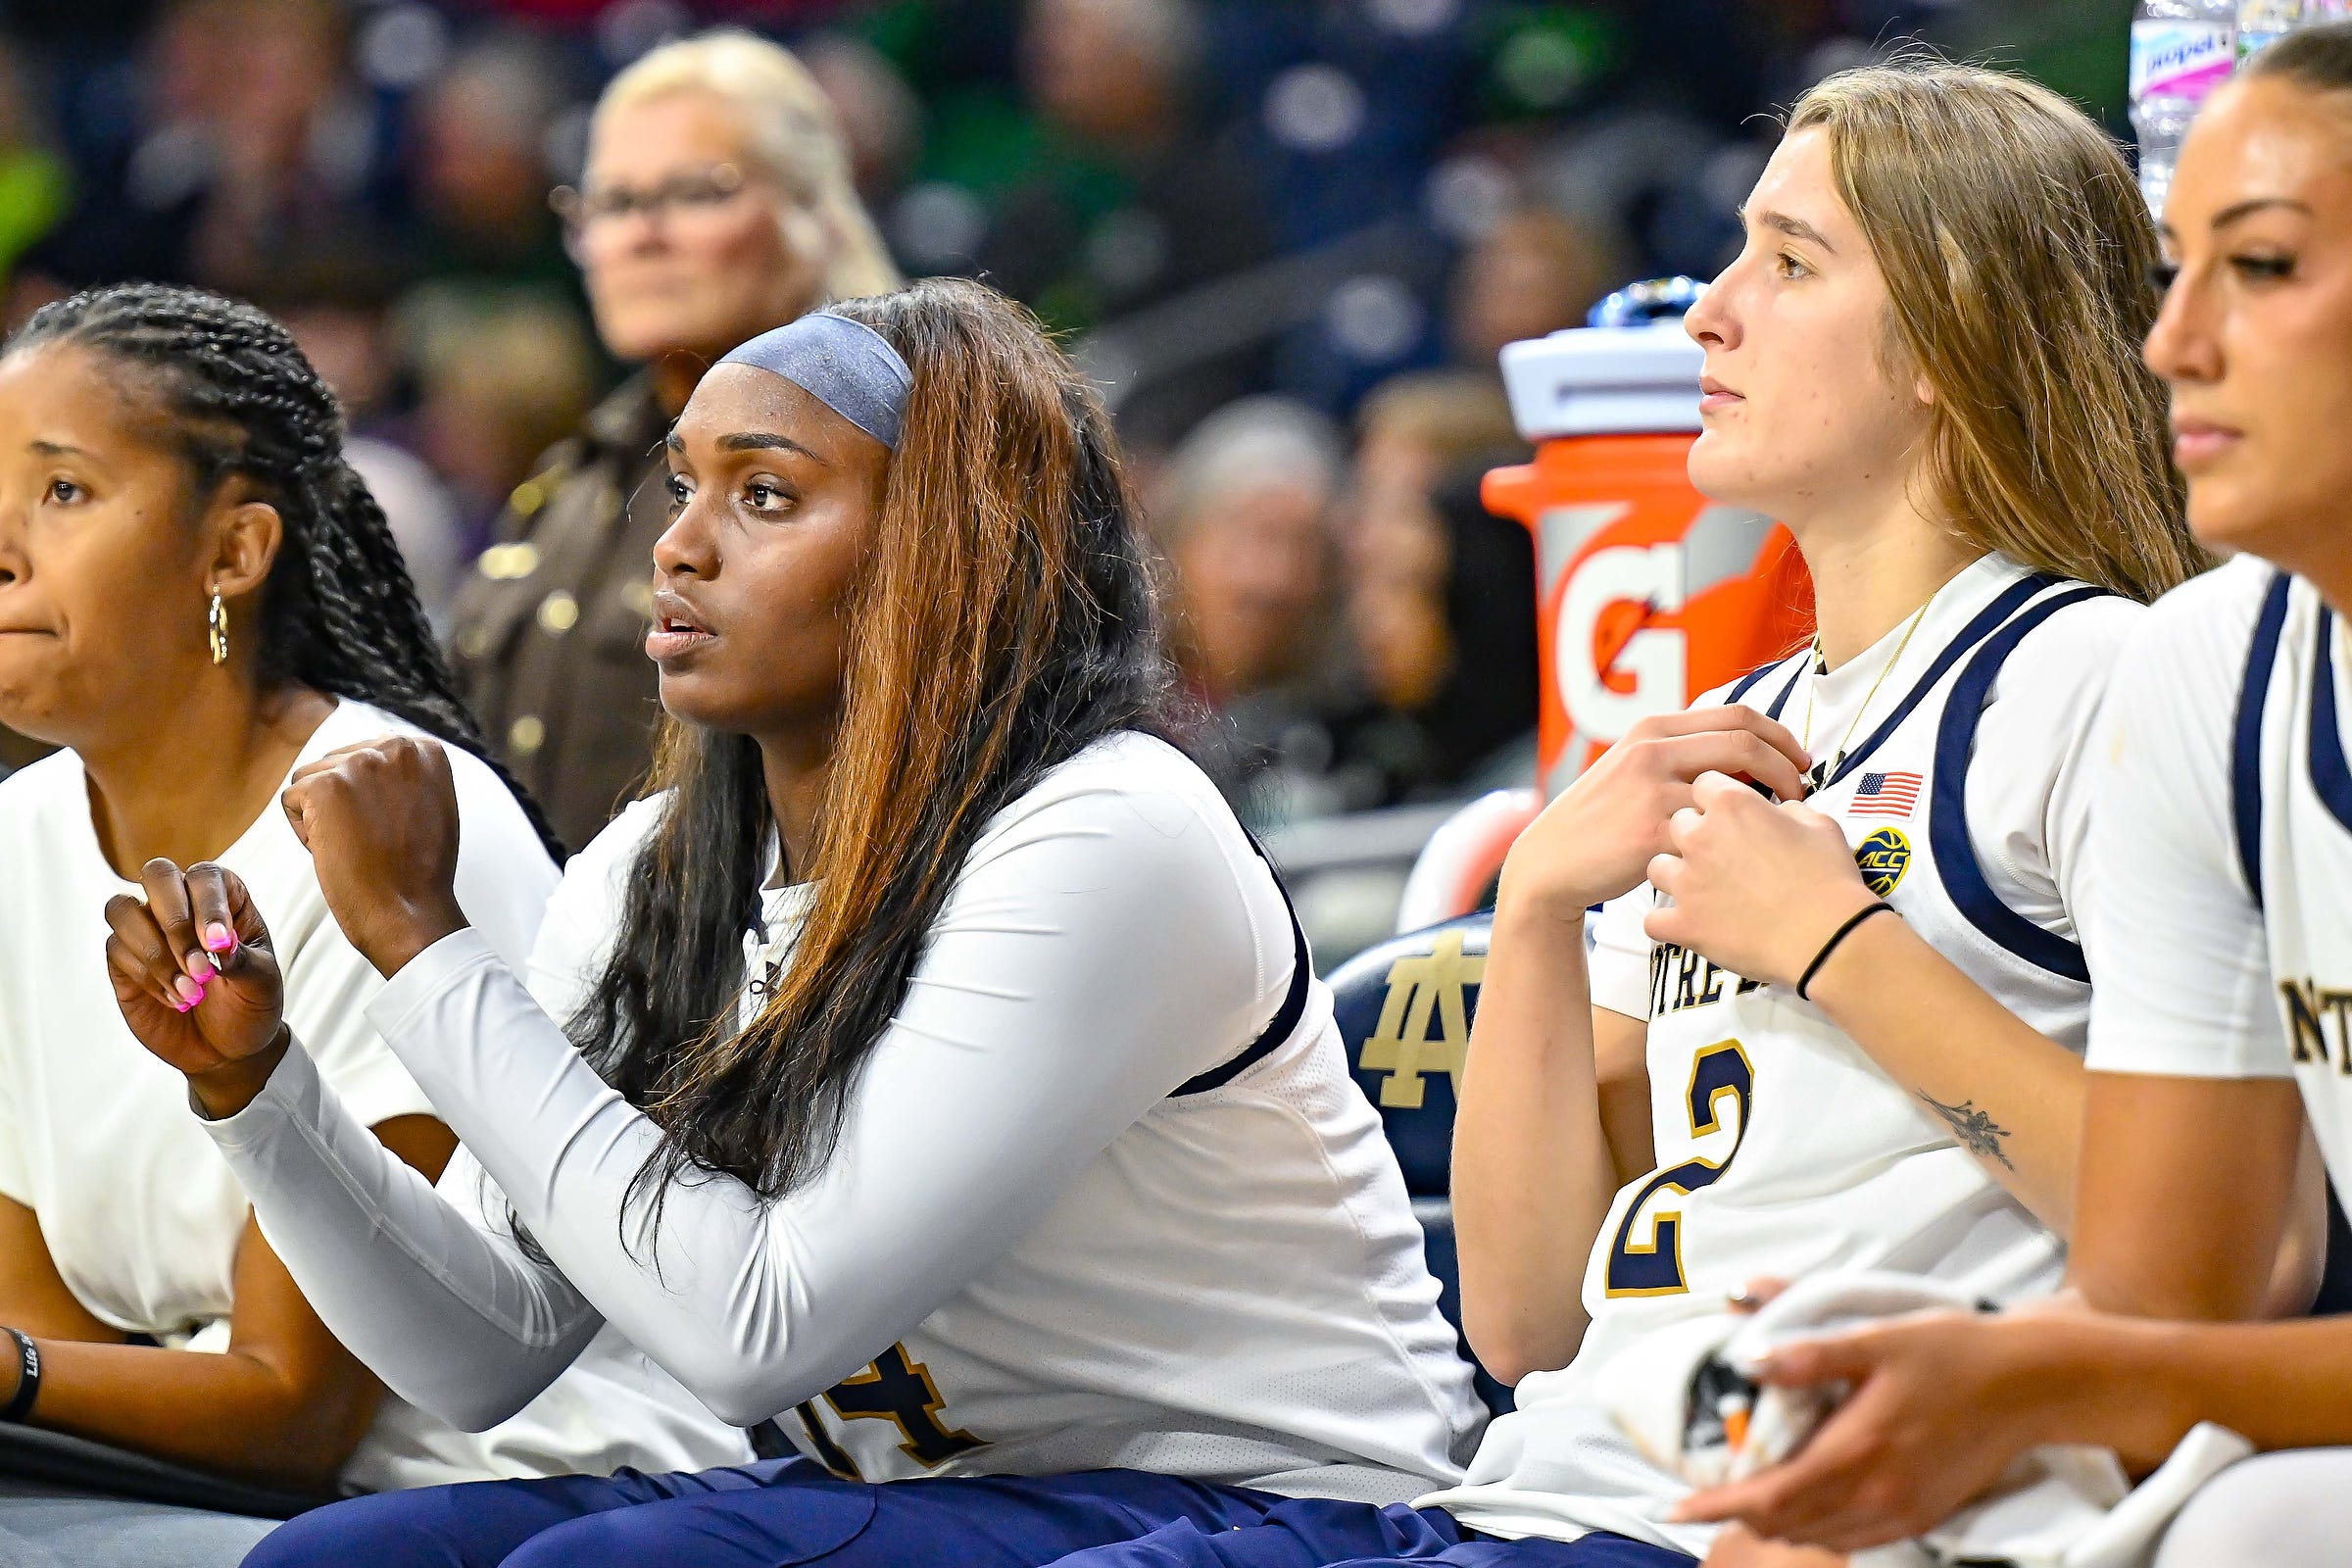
x=1404 y=1009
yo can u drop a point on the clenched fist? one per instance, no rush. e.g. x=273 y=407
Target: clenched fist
x=197 y=981
x=380 y=821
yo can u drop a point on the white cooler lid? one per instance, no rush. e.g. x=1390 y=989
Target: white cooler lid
x=1604 y=380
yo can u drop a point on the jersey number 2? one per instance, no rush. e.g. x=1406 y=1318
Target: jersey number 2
x=1655 y=1267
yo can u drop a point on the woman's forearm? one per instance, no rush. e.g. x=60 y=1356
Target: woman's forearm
x=1532 y=1171
x=456 y=1320
x=2137 y=1387
x=2009 y=1094
x=235 y=1413
x=1052 y=1008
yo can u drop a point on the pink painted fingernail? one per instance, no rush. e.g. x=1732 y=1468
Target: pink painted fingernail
x=189 y=991
x=180 y=1006
x=200 y=968
x=218 y=938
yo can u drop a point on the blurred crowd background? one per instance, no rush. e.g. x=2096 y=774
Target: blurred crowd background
x=1289 y=238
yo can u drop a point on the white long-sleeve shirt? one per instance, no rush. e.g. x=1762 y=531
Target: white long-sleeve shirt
x=1029 y=1251
x=142 y=1218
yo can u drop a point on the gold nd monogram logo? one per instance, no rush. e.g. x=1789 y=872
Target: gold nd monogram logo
x=1401 y=1046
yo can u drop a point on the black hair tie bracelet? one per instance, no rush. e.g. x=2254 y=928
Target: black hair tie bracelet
x=29 y=1379
x=1836 y=937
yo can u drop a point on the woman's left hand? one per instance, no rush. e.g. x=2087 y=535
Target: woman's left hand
x=1941 y=1404
x=380 y=821
x=1757 y=886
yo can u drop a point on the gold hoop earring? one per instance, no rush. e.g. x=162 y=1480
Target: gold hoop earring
x=216 y=627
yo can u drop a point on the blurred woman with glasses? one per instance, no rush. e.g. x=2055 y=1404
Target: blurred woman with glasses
x=716 y=203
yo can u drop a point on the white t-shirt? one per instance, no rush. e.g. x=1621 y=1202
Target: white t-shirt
x=140 y=1212
x=1043 y=1242
x=1782 y=1148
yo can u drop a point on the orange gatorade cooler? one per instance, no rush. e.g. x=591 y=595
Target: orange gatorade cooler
x=1647 y=592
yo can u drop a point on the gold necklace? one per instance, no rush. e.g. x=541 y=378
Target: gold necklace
x=1823 y=771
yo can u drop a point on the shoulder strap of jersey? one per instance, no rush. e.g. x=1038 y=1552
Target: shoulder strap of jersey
x=1956 y=861
x=2245 y=740
x=1754 y=677
x=2330 y=777
x=1988 y=620
x=1286 y=1017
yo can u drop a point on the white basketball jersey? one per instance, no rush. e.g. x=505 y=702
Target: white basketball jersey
x=1307 y=1359
x=1782 y=1149
x=1235 y=1290
x=2291 y=805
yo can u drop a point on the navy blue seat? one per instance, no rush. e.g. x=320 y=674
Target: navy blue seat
x=1404 y=1009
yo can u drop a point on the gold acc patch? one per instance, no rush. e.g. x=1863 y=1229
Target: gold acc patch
x=1883 y=857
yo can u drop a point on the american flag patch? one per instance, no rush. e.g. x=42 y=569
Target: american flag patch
x=1886 y=795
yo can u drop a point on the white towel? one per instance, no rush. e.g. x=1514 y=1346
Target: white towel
x=1688 y=1397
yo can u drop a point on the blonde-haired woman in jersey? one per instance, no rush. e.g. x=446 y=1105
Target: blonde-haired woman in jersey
x=1835 y=1006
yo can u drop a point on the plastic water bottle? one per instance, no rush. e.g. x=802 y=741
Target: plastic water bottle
x=2263 y=23
x=2181 y=50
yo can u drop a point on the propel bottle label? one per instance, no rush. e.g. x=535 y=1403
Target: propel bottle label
x=2180 y=59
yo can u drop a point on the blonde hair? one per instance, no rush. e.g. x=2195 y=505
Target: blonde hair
x=791 y=129
x=1458 y=414
x=2018 y=256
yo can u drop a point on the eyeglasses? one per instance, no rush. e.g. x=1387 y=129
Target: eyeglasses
x=704 y=190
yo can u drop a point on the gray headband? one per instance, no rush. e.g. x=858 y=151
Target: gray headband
x=845 y=365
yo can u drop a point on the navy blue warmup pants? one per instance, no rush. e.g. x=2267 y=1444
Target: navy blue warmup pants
x=766 y=1515
x=789 y=1512
x=1310 y=1533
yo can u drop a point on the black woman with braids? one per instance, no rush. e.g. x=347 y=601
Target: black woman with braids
x=197 y=598
x=931 y=1067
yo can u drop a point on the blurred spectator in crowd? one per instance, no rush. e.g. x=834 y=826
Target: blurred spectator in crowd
x=478 y=150
x=35 y=184
x=716 y=203
x=1439 y=596
x=1416 y=430
x=1243 y=517
x=33 y=191
x=499 y=381
x=1102 y=190
x=1533 y=273
x=340 y=320
x=881 y=118
x=261 y=147
x=422 y=515
x=1437 y=678
x=1244 y=520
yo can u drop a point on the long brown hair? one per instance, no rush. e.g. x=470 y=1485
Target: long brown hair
x=1003 y=622
x=2021 y=260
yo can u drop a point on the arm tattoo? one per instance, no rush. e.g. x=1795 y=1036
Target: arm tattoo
x=1977 y=1132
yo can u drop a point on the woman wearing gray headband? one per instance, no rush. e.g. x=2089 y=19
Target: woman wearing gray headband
x=930 y=1072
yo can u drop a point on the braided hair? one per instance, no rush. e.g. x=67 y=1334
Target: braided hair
x=339 y=612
